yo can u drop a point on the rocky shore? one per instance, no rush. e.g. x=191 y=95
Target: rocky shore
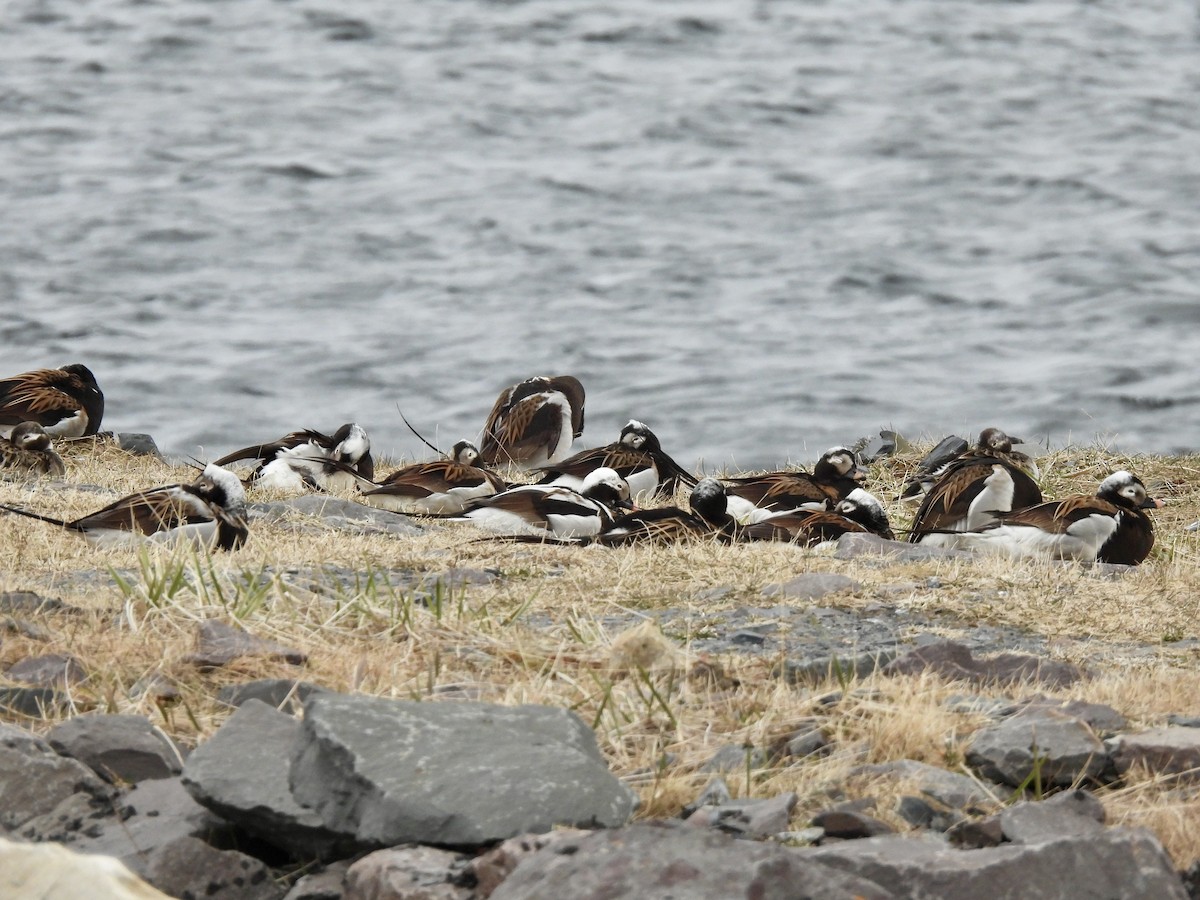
x=303 y=760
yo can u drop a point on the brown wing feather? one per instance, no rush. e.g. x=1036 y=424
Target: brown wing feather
x=1057 y=516
x=150 y=511
x=778 y=489
x=423 y=479
x=531 y=426
x=35 y=397
x=949 y=500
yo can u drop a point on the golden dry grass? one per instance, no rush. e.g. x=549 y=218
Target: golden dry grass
x=659 y=708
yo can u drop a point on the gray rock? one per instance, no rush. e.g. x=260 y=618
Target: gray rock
x=328 y=884
x=188 y=867
x=926 y=813
x=275 y=692
x=35 y=703
x=836 y=668
x=241 y=773
x=1063 y=750
x=1183 y=721
x=748 y=817
x=1035 y=823
x=661 y=861
x=859 y=546
x=138 y=443
x=849 y=824
x=54 y=670
x=460 y=774
x=948 y=788
x=812 y=585
x=1117 y=862
x=345 y=515
x=34 y=779
x=150 y=816
x=490 y=869
x=29 y=603
x=715 y=793
x=955 y=661
x=406 y=873
x=26 y=629
x=1163 y=751
x=117 y=748
x=806 y=743
x=220 y=644
x=735 y=758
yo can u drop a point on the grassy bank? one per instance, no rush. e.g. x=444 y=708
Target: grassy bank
x=660 y=709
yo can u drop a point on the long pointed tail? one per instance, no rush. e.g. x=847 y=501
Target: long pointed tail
x=31 y=515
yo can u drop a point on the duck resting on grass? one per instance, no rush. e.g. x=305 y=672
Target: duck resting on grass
x=209 y=512
x=438 y=487
x=1110 y=526
x=551 y=510
x=755 y=497
x=533 y=423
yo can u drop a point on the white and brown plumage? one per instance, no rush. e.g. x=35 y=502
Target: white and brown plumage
x=637 y=456
x=834 y=476
x=533 y=423
x=67 y=402
x=439 y=487
x=972 y=489
x=211 y=512
x=310 y=460
x=553 y=511
x=859 y=513
x=708 y=517
x=1110 y=526
x=28 y=449
x=992 y=446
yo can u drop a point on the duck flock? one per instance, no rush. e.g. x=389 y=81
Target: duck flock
x=521 y=481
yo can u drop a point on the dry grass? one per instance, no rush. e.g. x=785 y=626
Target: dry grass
x=660 y=709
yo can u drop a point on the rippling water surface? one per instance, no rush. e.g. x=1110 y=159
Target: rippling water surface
x=762 y=227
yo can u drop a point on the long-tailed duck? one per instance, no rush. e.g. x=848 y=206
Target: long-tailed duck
x=550 y=510
x=439 y=487
x=637 y=456
x=211 y=511
x=310 y=460
x=972 y=489
x=1110 y=526
x=67 y=402
x=860 y=512
x=533 y=423
x=28 y=449
x=708 y=517
x=834 y=476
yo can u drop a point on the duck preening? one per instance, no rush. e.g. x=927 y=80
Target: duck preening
x=67 y=402
x=533 y=423
x=28 y=449
x=552 y=510
x=835 y=475
x=310 y=460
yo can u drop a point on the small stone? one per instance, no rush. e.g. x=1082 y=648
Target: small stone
x=812 y=585
x=51 y=671
x=29 y=603
x=835 y=668
x=807 y=743
x=35 y=703
x=715 y=793
x=849 y=825
x=275 y=692
x=1162 y=751
x=138 y=444
x=406 y=873
x=976 y=834
x=221 y=644
x=735 y=758
x=188 y=867
x=490 y=869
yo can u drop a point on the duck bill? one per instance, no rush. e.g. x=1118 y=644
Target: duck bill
x=1153 y=503
x=859 y=473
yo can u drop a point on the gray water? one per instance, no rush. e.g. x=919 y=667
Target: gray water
x=761 y=227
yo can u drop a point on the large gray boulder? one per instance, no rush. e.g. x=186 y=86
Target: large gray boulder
x=1129 y=864
x=34 y=779
x=668 y=861
x=455 y=774
x=241 y=773
x=1162 y=751
x=1062 y=750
